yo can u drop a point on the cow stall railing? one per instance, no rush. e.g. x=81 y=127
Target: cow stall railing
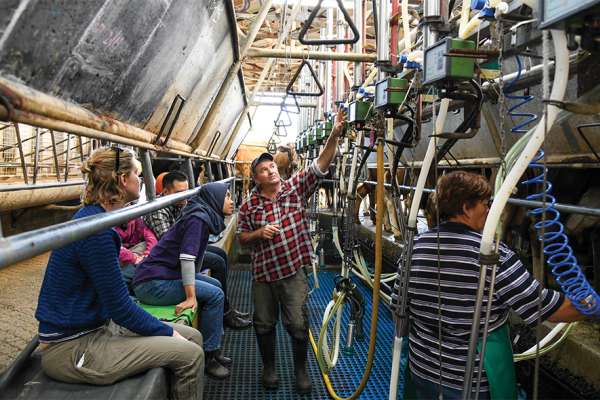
x=26 y=245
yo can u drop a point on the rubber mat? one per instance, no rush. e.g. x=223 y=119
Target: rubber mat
x=345 y=377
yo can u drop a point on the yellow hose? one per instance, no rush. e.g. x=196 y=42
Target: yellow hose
x=376 y=284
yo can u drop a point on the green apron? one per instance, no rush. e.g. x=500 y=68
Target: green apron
x=498 y=365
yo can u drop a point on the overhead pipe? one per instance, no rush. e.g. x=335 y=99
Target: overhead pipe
x=261 y=79
x=33 y=104
x=216 y=104
x=313 y=55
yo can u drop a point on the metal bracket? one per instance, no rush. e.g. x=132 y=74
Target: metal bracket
x=290 y=86
x=309 y=21
x=436 y=23
x=213 y=143
x=181 y=101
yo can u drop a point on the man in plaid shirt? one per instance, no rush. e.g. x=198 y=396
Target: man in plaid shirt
x=272 y=220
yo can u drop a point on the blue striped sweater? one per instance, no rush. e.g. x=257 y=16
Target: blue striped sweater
x=83 y=287
x=459 y=267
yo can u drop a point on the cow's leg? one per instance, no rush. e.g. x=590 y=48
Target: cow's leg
x=362 y=191
x=393 y=216
x=595 y=237
x=366 y=205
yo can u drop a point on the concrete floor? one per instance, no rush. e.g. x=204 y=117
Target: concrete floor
x=19 y=290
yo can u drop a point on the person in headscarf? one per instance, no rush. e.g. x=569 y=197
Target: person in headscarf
x=90 y=331
x=170 y=274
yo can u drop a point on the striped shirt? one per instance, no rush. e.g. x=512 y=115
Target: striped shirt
x=50 y=338
x=459 y=252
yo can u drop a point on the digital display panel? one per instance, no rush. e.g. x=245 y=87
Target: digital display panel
x=380 y=93
x=352 y=112
x=555 y=9
x=435 y=63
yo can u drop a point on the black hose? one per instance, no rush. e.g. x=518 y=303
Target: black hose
x=466 y=124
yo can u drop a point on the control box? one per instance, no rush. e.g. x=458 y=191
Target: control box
x=438 y=68
x=566 y=14
x=359 y=112
x=390 y=92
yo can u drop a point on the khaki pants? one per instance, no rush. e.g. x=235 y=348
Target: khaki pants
x=114 y=353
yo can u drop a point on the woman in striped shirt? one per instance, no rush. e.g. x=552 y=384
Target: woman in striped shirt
x=452 y=251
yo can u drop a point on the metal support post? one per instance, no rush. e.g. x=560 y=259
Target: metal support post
x=189 y=171
x=67 y=157
x=208 y=171
x=219 y=172
x=358 y=46
x=55 y=154
x=383 y=37
x=432 y=8
x=329 y=68
x=22 y=154
x=339 y=69
x=37 y=155
x=149 y=182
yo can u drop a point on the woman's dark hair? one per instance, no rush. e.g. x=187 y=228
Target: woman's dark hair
x=103 y=176
x=458 y=188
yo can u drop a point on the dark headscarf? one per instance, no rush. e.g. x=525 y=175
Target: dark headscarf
x=208 y=206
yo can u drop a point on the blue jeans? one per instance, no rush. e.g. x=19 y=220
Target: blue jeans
x=429 y=390
x=160 y=292
x=215 y=259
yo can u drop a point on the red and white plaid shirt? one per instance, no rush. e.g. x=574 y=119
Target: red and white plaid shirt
x=281 y=256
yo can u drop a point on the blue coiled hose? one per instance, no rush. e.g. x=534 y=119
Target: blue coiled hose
x=526 y=99
x=560 y=255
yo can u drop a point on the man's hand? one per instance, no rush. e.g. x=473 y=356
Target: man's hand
x=269 y=231
x=189 y=303
x=339 y=123
x=140 y=258
x=177 y=335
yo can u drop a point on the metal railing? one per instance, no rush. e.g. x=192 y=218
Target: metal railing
x=36 y=149
x=23 y=246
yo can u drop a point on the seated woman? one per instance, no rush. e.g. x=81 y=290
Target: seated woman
x=170 y=274
x=90 y=331
x=136 y=241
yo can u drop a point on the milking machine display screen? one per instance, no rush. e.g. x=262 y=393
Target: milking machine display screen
x=555 y=11
x=352 y=112
x=381 y=97
x=435 y=63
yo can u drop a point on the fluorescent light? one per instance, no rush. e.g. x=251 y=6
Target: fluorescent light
x=313 y=3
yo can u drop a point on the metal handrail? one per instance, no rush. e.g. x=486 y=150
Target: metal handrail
x=25 y=245
x=41 y=186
